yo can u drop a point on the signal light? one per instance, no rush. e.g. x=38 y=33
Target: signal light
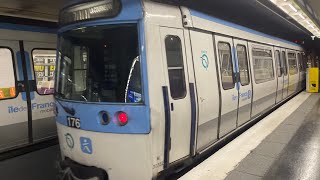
x=122 y=118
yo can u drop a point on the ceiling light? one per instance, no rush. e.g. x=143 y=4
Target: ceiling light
x=293 y=8
x=302 y=16
x=308 y=22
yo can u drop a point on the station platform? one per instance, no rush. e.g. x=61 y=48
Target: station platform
x=283 y=145
x=38 y=165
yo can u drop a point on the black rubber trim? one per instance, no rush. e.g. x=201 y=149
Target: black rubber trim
x=219 y=82
x=193 y=119
x=167 y=137
x=27 y=89
x=28 y=148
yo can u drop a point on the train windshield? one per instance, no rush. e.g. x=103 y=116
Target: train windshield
x=100 y=64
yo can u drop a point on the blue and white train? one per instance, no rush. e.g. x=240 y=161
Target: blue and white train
x=27 y=66
x=142 y=87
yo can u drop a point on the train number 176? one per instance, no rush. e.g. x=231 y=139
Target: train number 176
x=74 y=122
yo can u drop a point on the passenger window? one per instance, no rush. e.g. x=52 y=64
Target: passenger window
x=226 y=65
x=279 y=64
x=7 y=75
x=293 y=69
x=300 y=62
x=243 y=65
x=263 y=65
x=44 y=63
x=175 y=67
x=285 y=65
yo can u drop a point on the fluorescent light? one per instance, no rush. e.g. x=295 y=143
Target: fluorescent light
x=301 y=16
x=293 y=8
x=294 y=11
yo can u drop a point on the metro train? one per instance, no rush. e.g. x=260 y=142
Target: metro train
x=143 y=87
x=27 y=66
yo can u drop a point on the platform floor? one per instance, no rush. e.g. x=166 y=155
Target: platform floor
x=284 y=145
x=38 y=165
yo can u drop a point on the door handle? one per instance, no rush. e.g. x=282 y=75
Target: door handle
x=20 y=86
x=172 y=108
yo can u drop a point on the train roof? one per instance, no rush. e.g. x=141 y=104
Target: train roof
x=199 y=20
x=202 y=21
x=27 y=33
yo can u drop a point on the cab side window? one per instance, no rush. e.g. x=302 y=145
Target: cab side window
x=7 y=74
x=175 y=67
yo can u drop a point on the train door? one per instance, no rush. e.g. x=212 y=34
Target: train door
x=13 y=97
x=301 y=71
x=285 y=73
x=42 y=59
x=244 y=81
x=178 y=96
x=228 y=86
x=280 y=77
x=293 y=71
x=207 y=86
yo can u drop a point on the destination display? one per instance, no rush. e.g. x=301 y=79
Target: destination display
x=90 y=10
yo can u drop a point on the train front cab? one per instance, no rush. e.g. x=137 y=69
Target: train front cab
x=103 y=112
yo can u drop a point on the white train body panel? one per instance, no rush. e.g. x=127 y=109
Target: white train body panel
x=110 y=151
x=14 y=127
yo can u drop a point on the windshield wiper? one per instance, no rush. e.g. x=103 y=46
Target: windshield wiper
x=68 y=110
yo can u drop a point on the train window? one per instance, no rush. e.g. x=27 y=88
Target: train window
x=300 y=62
x=226 y=66
x=292 y=60
x=279 y=63
x=285 y=64
x=95 y=65
x=7 y=75
x=44 y=64
x=175 y=67
x=243 y=65
x=263 y=65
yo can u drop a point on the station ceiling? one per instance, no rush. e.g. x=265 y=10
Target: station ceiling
x=46 y=10
x=260 y=15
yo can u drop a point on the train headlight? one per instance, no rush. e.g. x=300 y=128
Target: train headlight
x=104 y=118
x=122 y=118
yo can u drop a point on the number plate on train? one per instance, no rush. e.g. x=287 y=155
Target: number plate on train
x=74 y=122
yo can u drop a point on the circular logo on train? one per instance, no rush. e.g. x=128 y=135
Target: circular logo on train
x=69 y=140
x=205 y=60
